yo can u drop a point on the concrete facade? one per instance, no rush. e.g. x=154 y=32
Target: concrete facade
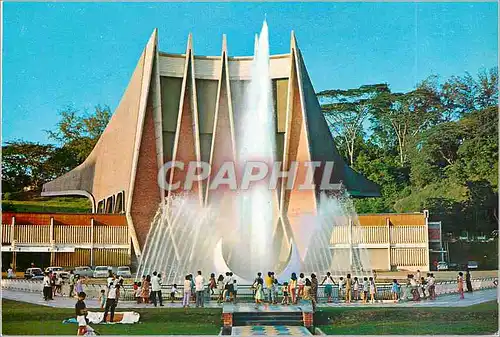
x=184 y=108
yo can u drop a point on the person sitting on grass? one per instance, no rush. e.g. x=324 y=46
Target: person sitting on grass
x=81 y=314
x=284 y=289
x=102 y=298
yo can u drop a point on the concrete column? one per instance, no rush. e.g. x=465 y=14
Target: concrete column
x=52 y=242
x=92 y=242
x=389 y=236
x=350 y=243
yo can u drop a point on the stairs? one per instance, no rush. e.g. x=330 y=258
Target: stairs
x=268 y=318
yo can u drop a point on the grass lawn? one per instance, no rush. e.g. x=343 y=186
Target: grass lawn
x=477 y=319
x=48 y=205
x=27 y=319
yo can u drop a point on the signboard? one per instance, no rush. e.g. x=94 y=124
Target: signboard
x=435 y=231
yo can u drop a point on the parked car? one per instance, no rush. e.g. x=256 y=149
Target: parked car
x=453 y=266
x=472 y=265
x=33 y=274
x=58 y=271
x=442 y=265
x=124 y=271
x=84 y=271
x=101 y=271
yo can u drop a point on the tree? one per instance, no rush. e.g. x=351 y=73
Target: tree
x=406 y=116
x=79 y=133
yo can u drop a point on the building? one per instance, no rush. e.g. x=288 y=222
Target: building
x=184 y=107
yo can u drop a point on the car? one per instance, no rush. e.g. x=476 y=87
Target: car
x=33 y=274
x=124 y=271
x=101 y=271
x=84 y=271
x=453 y=266
x=472 y=265
x=58 y=271
x=442 y=265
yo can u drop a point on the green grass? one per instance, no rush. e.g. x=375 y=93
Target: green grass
x=477 y=319
x=48 y=205
x=28 y=319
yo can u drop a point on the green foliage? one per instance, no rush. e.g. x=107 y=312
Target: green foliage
x=435 y=148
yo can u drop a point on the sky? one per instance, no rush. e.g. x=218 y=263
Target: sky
x=82 y=54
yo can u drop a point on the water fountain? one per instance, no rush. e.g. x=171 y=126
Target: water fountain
x=248 y=242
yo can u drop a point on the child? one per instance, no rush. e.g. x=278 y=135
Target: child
x=285 y=293
x=235 y=291
x=348 y=285
x=395 y=290
x=102 y=298
x=355 y=287
x=341 y=287
x=292 y=287
x=460 y=281
x=81 y=314
x=138 y=293
x=300 y=284
x=275 y=291
x=366 y=289
x=212 y=284
x=173 y=291
x=220 y=288
x=423 y=285
x=372 y=290
x=59 y=282
x=328 y=281
x=259 y=295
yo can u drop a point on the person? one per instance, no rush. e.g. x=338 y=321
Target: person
x=227 y=279
x=155 y=289
x=187 y=292
x=10 y=273
x=314 y=288
x=52 y=285
x=341 y=287
x=111 y=278
x=111 y=302
x=145 y=289
x=102 y=298
x=200 y=289
x=366 y=289
x=301 y=282
x=431 y=284
x=193 y=291
x=292 y=286
x=268 y=282
x=418 y=274
x=59 y=283
x=173 y=292
x=394 y=290
x=81 y=314
x=230 y=286
x=348 y=286
x=138 y=293
x=47 y=289
x=220 y=288
x=373 y=290
x=308 y=293
x=468 y=281
x=212 y=284
x=328 y=282
x=259 y=295
x=71 y=282
x=355 y=288
x=78 y=284
x=235 y=291
x=423 y=286
x=275 y=291
x=460 y=281
x=414 y=288
x=284 y=289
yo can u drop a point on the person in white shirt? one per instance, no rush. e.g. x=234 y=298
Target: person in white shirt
x=301 y=282
x=199 y=283
x=47 y=288
x=156 y=289
x=10 y=273
x=187 y=292
x=111 y=302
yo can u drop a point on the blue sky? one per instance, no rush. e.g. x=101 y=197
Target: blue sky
x=82 y=54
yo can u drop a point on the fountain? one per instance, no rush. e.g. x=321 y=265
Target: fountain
x=248 y=241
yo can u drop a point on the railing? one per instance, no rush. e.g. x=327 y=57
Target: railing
x=245 y=292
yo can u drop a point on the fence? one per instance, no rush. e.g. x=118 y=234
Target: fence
x=245 y=292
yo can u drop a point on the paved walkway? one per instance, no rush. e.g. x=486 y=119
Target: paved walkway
x=277 y=330
x=452 y=300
